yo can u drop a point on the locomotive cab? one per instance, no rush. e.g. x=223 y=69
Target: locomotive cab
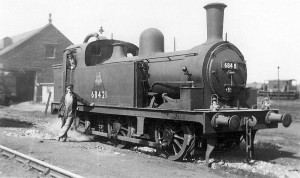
x=105 y=51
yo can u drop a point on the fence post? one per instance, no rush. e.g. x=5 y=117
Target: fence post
x=48 y=102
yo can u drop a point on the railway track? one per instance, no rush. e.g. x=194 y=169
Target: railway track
x=39 y=165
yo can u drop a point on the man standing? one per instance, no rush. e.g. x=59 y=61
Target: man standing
x=67 y=110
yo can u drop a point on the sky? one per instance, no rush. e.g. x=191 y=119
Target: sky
x=265 y=31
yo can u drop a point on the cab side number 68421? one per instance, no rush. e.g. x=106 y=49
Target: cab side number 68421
x=99 y=94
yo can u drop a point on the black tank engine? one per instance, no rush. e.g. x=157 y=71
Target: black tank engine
x=175 y=101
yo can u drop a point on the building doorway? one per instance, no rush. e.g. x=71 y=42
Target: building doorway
x=25 y=81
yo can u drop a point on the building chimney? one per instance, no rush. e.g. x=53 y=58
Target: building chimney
x=50 y=19
x=215 y=18
x=7 y=41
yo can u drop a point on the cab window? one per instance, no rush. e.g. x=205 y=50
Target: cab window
x=97 y=54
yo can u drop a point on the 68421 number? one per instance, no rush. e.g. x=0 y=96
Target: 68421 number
x=99 y=94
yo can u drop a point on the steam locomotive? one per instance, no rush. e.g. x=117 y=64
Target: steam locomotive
x=174 y=101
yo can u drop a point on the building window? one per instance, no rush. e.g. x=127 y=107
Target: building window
x=50 y=51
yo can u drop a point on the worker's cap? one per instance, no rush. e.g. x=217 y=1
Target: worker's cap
x=69 y=86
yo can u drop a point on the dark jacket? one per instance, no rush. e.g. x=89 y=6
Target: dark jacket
x=76 y=98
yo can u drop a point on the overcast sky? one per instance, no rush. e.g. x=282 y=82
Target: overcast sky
x=266 y=31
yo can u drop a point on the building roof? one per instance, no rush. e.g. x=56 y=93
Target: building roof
x=19 y=39
x=281 y=80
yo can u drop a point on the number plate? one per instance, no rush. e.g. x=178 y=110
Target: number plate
x=229 y=65
x=99 y=94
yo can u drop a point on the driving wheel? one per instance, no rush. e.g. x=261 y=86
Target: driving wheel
x=174 y=140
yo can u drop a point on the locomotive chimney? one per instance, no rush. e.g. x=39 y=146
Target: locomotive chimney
x=118 y=51
x=215 y=18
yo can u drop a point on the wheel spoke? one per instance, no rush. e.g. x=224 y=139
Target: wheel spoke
x=174 y=149
x=174 y=139
x=178 y=144
x=123 y=128
x=179 y=137
x=122 y=133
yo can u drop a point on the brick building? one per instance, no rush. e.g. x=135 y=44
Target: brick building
x=29 y=57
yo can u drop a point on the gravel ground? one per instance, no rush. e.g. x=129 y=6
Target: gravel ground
x=12 y=168
x=277 y=150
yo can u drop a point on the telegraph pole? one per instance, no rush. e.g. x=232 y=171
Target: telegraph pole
x=278 y=84
x=174 y=44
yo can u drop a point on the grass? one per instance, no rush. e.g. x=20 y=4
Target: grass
x=286 y=106
x=292 y=133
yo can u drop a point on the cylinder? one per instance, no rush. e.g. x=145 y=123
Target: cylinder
x=222 y=120
x=232 y=122
x=285 y=119
x=215 y=18
x=273 y=117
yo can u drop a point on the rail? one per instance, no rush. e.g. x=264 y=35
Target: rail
x=42 y=166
